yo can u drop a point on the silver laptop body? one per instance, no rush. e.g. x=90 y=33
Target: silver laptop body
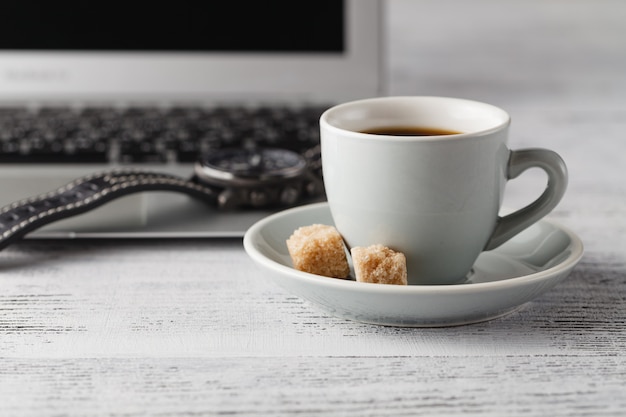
x=241 y=65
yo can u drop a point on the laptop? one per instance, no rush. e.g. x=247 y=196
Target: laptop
x=108 y=61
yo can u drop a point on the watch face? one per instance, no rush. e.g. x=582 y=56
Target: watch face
x=244 y=167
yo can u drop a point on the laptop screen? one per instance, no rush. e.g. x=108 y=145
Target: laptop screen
x=282 y=50
x=276 y=26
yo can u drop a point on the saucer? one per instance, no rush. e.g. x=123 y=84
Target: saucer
x=501 y=281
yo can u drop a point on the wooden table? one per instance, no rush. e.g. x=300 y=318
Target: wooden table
x=188 y=328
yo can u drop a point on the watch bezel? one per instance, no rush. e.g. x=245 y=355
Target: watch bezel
x=205 y=171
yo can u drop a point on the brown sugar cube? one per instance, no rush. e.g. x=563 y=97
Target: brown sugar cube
x=379 y=264
x=318 y=249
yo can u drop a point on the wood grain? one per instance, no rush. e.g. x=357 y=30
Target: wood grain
x=183 y=328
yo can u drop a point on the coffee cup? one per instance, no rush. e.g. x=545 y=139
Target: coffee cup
x=426 y=176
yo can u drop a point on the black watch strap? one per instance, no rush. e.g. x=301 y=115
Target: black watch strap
x=86 y=193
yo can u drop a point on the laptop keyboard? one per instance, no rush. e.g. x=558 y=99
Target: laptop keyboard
x=149 y=135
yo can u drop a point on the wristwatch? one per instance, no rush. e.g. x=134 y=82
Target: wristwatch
x=227 y=179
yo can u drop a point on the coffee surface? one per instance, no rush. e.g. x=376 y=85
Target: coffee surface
x=409 y=131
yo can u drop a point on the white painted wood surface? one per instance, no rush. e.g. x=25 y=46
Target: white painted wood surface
x=188 y=328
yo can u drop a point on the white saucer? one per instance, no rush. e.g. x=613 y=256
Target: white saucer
x=502 y=280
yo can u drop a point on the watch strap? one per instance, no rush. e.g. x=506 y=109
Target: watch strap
x=89 y=192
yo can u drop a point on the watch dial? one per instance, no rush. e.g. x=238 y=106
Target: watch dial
x=259 y=164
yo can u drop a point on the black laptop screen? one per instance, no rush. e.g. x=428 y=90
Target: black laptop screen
x=228 y=26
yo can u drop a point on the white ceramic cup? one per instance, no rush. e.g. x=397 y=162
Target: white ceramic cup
x=435 y=198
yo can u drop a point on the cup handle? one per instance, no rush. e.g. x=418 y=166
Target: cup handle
x=519 y=161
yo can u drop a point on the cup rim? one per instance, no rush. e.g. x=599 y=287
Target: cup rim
x=408 y=138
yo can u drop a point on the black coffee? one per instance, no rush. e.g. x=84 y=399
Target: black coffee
x=409 y=131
